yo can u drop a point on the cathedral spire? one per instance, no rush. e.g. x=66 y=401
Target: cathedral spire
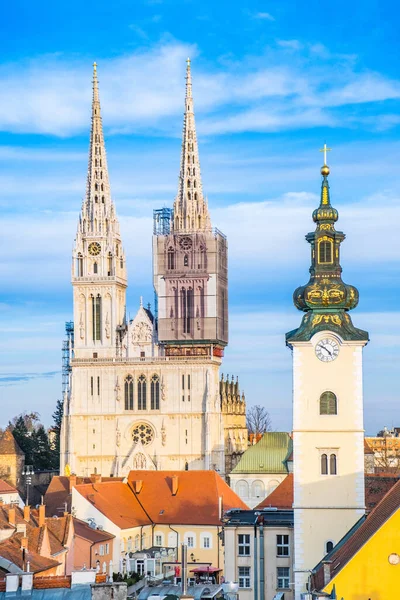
x=326 y=299
x=190 y=206
x=98 y=203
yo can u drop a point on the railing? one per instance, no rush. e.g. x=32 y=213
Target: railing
x=134 y=360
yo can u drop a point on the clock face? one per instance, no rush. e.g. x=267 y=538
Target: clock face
x=327 y=350
x=185 y=243
x=94 y=248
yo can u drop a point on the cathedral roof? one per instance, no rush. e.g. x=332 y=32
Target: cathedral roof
x=269 y=455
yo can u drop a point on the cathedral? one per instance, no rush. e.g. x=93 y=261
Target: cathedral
x=147 y=393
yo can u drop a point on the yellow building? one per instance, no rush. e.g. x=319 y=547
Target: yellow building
x=365 y=564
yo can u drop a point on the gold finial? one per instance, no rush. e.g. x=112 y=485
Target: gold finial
x=188 y=62
x=325 y=168
x=95 y=67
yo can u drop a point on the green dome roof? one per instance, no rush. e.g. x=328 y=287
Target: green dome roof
x=269 y=455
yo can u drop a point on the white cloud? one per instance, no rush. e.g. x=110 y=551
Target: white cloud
x=144 y=91
x=264 y=16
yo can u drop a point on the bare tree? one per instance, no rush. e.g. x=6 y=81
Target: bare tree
x=258 y=420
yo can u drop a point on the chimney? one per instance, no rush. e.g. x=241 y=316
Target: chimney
x=175 y=484
x=11 y=516
x=42 y=515
x=72 y=482
x=24 y=543
x=27 y=513
x=94 y=478
x=137 y=486
x=327 y=571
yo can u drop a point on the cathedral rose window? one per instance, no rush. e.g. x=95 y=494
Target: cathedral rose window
x=143 y=433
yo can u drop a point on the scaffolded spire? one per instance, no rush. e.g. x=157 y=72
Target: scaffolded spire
x=190 y=207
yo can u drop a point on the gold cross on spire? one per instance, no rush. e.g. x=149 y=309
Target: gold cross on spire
x=325 y=149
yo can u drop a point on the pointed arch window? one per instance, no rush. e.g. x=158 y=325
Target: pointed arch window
x=325 y=251
x=95 y=268
x=129 y=392
x=110 y=264
x=79 y=265
x=96 y=318
x=171 y=258
x=324 y=464
x=142 y=393
x=328 y=404
x=96 y=199
x=186 y=260
x=187 y=300
x=155 y=393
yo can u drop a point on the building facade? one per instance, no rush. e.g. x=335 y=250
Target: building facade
x=259 y=553
x=328 y=427
x=145 y=393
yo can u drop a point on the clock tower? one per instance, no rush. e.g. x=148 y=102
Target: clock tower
x=328 y=428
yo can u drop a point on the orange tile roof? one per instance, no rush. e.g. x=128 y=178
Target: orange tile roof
x=359 y=535
x=10 y=549
x=83 y=530
x=8 y=444
x=115 y=500
x=196 y=501
x=6 y=488
x=58 y=498
x=282 y=496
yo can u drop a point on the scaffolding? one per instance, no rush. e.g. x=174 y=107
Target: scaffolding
x=162 y=218
x=67 y=352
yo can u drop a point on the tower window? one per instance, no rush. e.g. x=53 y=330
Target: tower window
x=187 y=309
x=328 y=464
x=110 y=260
x=96 y=318
x=332 y=464
x=95 y=268
x=171 y=258
x=79 y=264
x=142 y=400
x=91 y=386
x=155 y=393
x=98 y=386
x=328 y=404
x=186 y=261
x=325 y=252
x=328 y=546
x=129 y=392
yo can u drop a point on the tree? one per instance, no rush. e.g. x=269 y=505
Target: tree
x=55 y=434
x=23 y=437
x=41 y=453
x=258 y=420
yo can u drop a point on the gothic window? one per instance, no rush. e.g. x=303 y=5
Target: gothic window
x=194 y=171
x=95 y=268
x=194 y=183
x=80 y=265
x=129 y=392
x=325 y=252
x=324 y=464
x=142 y=393
x=102 y=199
x=189 y=196
x=332 y=464
x=186 y=261
x=96 y=187
x=328 y=404
x=109 y=264
x=121 y=263
x=171 y=258
x=102 y=187
x=155 y=393
x=187 y=309
x=96 y=318
x=188 y=183
x=186 y=466
x=96 y=199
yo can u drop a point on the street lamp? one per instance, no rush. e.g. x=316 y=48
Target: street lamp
x=27 y=471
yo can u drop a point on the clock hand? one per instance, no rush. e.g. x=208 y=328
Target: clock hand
x=328 y=351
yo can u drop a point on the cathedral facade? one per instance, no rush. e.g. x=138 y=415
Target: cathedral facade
x=146 y=393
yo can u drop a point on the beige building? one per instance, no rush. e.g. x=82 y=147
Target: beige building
x=12 y=460
x=328 y=426
x=145 y=393
x=259 y=553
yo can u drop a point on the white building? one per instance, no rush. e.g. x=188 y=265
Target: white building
x=145 y=393
x=328 y=427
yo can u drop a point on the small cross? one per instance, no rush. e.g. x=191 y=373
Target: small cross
x=325 y=149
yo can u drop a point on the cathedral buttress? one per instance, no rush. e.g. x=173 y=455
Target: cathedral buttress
x=98 y=266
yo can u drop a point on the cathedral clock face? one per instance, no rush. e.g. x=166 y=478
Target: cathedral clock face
x=94 y=248
x=327 y=350
x=185 y=243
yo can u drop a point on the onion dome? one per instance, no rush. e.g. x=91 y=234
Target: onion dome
x=326 y=298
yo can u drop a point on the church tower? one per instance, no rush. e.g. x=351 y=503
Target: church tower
x=190 y=260
x=328 y=428
x=98 y=266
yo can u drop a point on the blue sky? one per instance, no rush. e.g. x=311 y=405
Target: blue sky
x=272 y=82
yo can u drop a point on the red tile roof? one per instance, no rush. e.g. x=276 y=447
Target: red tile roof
x=359 y=536
x=115 y=500
x=196 y=501
x=282 y=496
x=11 y=550
x=6 y=488
x=83 y=530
